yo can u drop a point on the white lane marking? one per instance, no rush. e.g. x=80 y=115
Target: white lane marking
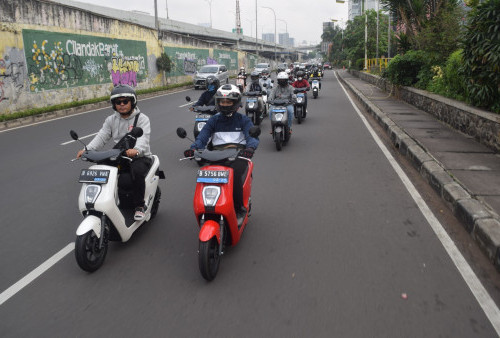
x=11 y=291
x=85 y=112
x=482 y=296
x=187 y=104
x=81 y=138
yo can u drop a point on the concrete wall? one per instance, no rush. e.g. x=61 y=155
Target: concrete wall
x=52 y=54
x=484 y=126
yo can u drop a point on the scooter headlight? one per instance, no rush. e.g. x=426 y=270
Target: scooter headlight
x=211 y=194
x=200 y=125
x=251 y=105
x=299 y=99
x=278 y=117
x=92 y=191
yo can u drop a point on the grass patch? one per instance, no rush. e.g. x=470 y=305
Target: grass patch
x=48 y=109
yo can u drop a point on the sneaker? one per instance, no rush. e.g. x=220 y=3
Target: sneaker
x=139 y=213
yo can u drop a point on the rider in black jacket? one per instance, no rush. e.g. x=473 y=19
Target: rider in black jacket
x=207 y=97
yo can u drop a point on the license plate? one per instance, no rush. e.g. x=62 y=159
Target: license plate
x=94 y=176
x=213 y=176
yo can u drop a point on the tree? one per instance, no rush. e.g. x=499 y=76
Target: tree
x=164 y=64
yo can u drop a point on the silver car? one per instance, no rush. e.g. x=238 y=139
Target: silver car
x=261 y=66
x=219 y=71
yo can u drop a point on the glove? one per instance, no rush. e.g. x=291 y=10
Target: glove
x=248 y=152
x=189 y=153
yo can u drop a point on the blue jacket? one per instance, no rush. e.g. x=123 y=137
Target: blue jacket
x=206 y=99
x=224 y=130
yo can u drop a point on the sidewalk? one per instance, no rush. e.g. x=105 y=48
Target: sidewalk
x=465 y=173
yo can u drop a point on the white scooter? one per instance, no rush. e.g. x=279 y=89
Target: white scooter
x=315 y=86
x=104 y=200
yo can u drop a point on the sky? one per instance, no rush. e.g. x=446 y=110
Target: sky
x=302 y=19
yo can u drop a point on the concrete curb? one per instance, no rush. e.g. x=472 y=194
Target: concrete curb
x=481 y=222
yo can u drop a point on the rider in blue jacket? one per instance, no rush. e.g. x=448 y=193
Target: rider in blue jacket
x=228 y=127
x=207 y=97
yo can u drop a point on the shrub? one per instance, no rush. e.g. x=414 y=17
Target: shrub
x=482 y=56
x=404 y=69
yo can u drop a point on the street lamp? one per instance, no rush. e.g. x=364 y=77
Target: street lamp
x=210 y=5
x=287 y=42
x=275 y=59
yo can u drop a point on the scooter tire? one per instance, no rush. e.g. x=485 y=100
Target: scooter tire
x=299 y=115
x=208 y=258
x=278 y=140
x=88 y=256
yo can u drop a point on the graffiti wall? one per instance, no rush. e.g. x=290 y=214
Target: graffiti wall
x=60 y=60
x=227 y=58
x=186 y=61
x=12 y=75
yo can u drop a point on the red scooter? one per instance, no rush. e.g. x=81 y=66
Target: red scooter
x=213 y=203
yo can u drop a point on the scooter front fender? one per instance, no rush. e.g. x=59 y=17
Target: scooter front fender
x=208 y=230
x=90 y=222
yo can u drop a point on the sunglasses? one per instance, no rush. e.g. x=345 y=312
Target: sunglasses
x=122 y=101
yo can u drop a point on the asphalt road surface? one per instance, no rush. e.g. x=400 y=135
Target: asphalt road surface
x=337 y=245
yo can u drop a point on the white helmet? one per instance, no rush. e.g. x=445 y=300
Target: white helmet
x=282 y=79
x=231 y=92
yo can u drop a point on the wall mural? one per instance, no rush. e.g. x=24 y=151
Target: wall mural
x=227 y=58
x=186 y=61
x=60 y=60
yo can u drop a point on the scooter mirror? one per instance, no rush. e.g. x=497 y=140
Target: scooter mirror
x=136 y=132
x=254 y=131
x=188 y=99
x=264 y=84
x=73 y=134
x=181 y=132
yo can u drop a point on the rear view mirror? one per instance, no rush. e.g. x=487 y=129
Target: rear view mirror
x=181 y=132
x=188 y=99
x=73 y=134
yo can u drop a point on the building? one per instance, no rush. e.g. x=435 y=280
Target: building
x=284 y=40
x=328 y=24
x=269 y=37
x=356 y=6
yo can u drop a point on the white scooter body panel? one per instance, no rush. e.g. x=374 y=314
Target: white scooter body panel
x=89 y=223
x=107 y=201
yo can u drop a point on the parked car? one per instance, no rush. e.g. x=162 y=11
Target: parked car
x=261 y=66
x=327 y=65
x=220 y=71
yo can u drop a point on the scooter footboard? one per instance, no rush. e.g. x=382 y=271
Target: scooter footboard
x=208 y=230
x=90 y=222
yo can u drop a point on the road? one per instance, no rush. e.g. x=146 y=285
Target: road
x=336 y=245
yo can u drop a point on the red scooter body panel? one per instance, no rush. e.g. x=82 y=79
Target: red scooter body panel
x=224 y=205
x=209 y=229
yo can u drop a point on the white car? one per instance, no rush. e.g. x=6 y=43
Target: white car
x=261 y=66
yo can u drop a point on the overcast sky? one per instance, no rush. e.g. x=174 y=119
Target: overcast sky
x=304 y=18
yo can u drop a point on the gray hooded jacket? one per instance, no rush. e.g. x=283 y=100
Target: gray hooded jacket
x=115 y=127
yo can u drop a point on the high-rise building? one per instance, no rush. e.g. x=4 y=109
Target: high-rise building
x=356 y=6
x=284 y=39
x=269 y=37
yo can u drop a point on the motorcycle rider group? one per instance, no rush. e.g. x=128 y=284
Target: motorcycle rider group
x=226 y=127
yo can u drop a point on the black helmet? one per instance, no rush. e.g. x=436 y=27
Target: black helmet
x=212 y=80
x=254 y=76
x=231 y=92
x=301 y=74
x=123 y=90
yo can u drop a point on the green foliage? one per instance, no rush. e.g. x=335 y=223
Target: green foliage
x=163 y=63
x=404 y=69
x=449 y=81
x=481 y=56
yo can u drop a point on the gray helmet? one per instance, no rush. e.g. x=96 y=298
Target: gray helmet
x=254 y=76
x=123 y=90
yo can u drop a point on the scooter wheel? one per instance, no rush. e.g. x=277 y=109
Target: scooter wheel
x=208 y=258
x=88 y=255
x=278 y=140
x=299 y=115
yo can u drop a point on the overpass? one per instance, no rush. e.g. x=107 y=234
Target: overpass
x=244 y=43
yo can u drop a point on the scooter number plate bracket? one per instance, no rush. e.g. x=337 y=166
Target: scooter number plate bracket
x=96 y=176
x=212 y=176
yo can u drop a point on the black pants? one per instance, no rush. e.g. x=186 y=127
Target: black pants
x=240 y=170
x=139 y=168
